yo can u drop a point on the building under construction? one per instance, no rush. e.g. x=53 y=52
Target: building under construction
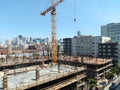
x=55 y=73
x=69 y=73
x=43 y=77
x=96 y=67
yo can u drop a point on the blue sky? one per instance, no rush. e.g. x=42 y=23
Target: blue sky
x=22 y=17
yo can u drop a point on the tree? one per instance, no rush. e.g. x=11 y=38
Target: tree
x=92 y=83
x=115 y=70
x=109 y=75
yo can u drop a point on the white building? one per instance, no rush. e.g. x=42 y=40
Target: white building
x=7 y=42
x=87 y=45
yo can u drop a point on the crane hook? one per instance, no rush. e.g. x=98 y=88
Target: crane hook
x=74 y=19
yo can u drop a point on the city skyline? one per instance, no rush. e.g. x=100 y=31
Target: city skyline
x=23 y=17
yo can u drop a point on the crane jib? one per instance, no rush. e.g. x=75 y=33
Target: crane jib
x=51 y=7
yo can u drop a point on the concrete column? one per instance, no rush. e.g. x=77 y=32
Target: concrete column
x=42 y=63
x=5 y=85
x=37 y=73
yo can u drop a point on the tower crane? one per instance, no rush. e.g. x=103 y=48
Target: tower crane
x=52 y=8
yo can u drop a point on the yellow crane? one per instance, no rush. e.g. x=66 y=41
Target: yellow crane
x=52 y=8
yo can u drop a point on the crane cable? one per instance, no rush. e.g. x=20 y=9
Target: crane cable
x=74 y=11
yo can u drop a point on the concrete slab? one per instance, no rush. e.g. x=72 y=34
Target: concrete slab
x=16 y=80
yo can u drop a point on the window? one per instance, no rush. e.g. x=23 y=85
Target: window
x=109 y=50
x=109 y=46
x=104 y=50
x=103 y=46
x=109 y=54
x=104 y=53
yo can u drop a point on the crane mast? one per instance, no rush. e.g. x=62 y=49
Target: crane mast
x=52 y=8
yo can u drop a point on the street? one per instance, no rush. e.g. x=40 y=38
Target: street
x=118 y=87
x=116 y=81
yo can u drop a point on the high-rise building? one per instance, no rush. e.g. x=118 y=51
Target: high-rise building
x=78 y=33
x=14 y=41
x=7 y=42
x=20 y=37
x=111 y=30
x=67 y=46
x=31 y=40
x=37 y=40
x=24 y=40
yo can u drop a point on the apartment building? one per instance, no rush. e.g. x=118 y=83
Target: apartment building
x=111 y=30
x=67 y=46
x=110 y=50
x=81 y=45
x=87 y=45
x=95 y=42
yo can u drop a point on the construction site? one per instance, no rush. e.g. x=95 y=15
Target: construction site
x=69 y=73
x=51 y=73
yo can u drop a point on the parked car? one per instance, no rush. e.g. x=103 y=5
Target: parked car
x=113 y=86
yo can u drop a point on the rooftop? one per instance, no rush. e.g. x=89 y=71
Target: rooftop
x=87 y=60
x=96 y=61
